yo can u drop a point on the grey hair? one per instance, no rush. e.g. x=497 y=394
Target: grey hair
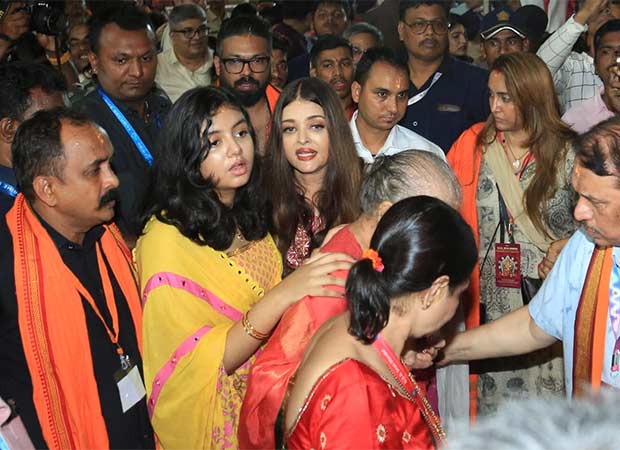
x=590 y=422
x=364 y=27
x=186 y=12
x=407 y=174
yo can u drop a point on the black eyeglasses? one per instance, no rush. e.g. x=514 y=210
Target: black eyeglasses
x=190 y=33
x=420 y=26
x=236 y=65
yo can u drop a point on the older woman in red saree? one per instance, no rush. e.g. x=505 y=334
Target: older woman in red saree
x=358 y=394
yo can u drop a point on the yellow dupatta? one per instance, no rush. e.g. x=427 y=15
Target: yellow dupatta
x=192 y=295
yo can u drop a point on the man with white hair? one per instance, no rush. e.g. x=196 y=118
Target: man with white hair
x=187 y=64
x=534 y=424
x=389 y=179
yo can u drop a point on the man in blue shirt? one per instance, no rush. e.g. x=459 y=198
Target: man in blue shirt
x=25 y=88
x=446 y=96
x=565 y=297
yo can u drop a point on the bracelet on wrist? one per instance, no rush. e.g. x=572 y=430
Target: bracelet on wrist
x=251 y=331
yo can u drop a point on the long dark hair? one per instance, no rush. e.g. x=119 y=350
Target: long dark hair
x=338 y=200
x=182 y=197
x=419 y=239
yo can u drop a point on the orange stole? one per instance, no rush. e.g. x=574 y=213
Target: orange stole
x=591 y=323
x=53 y=330
x=465 y=158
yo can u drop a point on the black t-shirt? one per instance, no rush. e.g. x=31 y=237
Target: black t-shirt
x=128 y=163
x=129 y=430
x=7 y=181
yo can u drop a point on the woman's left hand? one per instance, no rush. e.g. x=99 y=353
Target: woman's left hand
x=549 y=259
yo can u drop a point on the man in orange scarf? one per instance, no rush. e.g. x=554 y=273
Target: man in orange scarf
x=579 y=303
x=70 y=315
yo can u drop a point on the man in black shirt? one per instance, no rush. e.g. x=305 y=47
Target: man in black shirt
x=446 y=96
x=69 y=305
x=126 y=104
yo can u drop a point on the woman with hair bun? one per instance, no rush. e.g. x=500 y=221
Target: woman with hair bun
x=358 y=393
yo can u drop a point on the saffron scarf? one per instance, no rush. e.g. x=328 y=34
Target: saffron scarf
x=465 y=158
x=53 y=330
x=591 y=322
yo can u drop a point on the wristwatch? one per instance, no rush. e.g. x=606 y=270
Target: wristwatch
x=4 y=37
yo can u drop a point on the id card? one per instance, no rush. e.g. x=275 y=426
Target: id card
x=508 y=265
x=130 y=387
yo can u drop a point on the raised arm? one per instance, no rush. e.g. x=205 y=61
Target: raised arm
x=555 y=50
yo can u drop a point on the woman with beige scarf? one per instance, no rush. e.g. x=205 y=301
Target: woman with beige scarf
x=515 y=172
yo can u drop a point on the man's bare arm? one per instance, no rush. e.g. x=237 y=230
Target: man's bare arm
x=515 y=333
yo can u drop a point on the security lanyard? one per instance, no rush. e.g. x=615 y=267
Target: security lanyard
x=133 y=134
x=419 y=96
x=8 y=189
x=110 y=303
x=506 y=224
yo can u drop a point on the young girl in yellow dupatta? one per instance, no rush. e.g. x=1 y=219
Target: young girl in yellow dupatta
x=210 y=273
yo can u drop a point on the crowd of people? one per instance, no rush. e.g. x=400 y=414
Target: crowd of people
x=308 y=224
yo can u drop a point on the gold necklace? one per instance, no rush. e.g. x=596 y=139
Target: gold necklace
x=429 y=415
x=426 y=409
x=516 y=164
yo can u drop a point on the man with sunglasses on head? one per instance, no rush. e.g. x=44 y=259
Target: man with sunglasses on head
x=243 y=64
x=187 y=64
x=446 y=95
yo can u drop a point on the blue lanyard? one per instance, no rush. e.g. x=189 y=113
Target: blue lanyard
x=137 y=140
x=8 y=189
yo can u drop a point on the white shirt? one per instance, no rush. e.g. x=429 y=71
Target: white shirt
x=556 y=11
x=399 y=139
x=175 y=79
x=573 y=73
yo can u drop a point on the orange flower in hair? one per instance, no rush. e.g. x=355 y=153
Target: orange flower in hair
x=377 y=262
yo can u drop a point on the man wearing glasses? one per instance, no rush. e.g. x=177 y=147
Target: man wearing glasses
x=446 y=96
x=243 y=64
x=187 y=64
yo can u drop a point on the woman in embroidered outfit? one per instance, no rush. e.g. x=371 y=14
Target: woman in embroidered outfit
x=358 y=394
x=205 y=259
x=314 y=171
x=523 y=151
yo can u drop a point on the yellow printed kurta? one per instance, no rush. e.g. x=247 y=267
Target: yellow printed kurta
x=192 y=296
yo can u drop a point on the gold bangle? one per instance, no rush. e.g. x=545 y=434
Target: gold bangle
x=251 y=331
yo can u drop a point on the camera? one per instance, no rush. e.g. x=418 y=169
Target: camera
x=45 y=17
